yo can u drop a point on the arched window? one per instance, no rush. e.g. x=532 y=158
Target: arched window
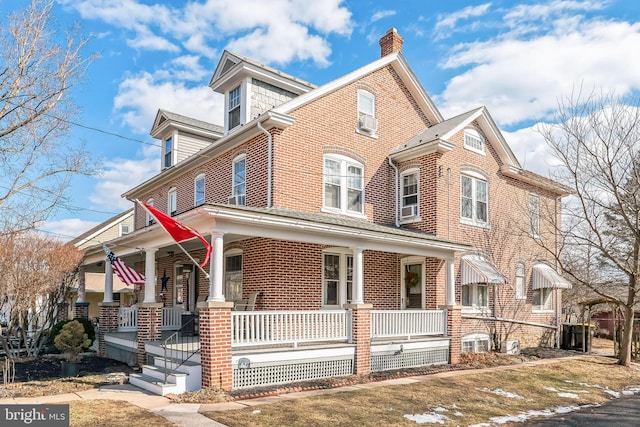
x=367 y=121
x=149 y=218
x=239 y=185
x=343 y=185
x=474 y=199
x=172 y=202
x=520 y=280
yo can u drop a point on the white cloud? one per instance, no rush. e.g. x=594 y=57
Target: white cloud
x=381 y=15
x=521 y=79
x=67 y=229
x=119 y=175
x=531 y=150
x=448 y=22
x=140 y=96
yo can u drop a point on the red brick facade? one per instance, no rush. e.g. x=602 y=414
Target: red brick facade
x=215 y=345
x=108 y=322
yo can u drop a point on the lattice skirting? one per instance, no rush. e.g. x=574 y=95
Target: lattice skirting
x=270 y=374
x=409 y=359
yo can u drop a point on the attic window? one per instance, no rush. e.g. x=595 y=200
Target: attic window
x=234 y=108
x=168 y=152
x=473 y=141
x=367 y=121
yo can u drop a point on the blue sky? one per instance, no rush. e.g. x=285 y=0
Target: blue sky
x=516 y=57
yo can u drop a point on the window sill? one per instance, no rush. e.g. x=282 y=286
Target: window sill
x=367 y=133
x=474 y=224
x=337 y=212
x=541 y=311
x=476 y=310
x=410 y=220
x=475 y=150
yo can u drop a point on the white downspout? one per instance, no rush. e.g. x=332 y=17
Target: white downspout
x=269 y=162
x=395 y=187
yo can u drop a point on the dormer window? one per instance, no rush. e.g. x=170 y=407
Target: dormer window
x=473 y=141
x=234 y=108
x=168 y=152
x=367 y=121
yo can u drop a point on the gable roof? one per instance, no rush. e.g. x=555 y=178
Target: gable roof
x=165 y=118
x=96 y=231
x=395 y=60
x=232 y=67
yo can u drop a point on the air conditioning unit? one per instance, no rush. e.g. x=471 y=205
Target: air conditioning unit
x=368 y=123
x=236 y=200
x=409 y=211
x=511 y=347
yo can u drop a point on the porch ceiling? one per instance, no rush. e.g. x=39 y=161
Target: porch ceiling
x=240 y=222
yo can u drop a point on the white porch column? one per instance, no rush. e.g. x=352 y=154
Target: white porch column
x=150 y=275
x=81 y=284
x=108 y=282
x=216 y=269
x=358 y=276
x=451 y=282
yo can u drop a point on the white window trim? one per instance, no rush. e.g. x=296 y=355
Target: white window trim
x=345 y=162
x=121 y=231
x=473 y=133
x=173 y=191
x=239 y=158
x=523 y=294
x=474 y=307
x=227 y=254
x=171 y=137
x=534 y=233
x=195 y=189
x=412 y=218
x=149 y=220
x=475 y=176
x=342 y=253
x=539 y=309
x=364 y=92
x=475 y=338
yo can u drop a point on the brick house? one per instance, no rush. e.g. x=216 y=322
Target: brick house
x=365 y=231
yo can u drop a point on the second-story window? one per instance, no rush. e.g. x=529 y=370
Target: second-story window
x=534 y=215
x=168 y=152
x=474 y=200
x=172 y=204
x=239 y=190
x=234 y=108
x=409 y=201
x=367 y=121
x=198 y=190
x=149 y=218
x=343 y=185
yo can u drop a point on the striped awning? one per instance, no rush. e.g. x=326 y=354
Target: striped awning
x=544 y=276
x=478 y=269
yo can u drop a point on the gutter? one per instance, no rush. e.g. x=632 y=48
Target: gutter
x=395 y=187
x=269 y=162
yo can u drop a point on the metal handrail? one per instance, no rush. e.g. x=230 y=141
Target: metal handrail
x=178 y=340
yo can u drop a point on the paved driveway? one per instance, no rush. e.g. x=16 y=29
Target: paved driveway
x=617 y=412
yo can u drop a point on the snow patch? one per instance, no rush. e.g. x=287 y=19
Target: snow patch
x=427 y=418
x=503 y=393
x=568 y=395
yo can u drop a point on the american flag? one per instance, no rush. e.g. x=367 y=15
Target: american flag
x=127 y=274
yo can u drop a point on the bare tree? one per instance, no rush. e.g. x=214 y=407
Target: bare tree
x=597 y=140
x=36 y=273
x=38 y=69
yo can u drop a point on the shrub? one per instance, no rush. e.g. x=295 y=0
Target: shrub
x=88 y=329
x=71 y=340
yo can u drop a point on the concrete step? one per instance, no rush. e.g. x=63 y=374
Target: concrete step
x=192 y=369
x=152 y=384
x=158 y=373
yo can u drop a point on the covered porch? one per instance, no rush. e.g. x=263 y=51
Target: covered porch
x=374 y=297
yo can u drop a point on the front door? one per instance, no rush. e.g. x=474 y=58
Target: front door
x=412 y=284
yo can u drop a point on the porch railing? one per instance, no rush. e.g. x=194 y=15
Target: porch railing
x=171 y=318
x=128 y=319
x=408 y=323
x=287 y=327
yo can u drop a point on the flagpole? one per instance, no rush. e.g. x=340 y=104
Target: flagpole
x=194 y=261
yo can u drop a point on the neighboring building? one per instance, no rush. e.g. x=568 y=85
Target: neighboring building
x=397 y=236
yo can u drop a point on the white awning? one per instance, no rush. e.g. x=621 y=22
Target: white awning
x=544 y=276
x=478 y=269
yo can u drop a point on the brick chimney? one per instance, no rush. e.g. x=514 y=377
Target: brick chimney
x=391 y=42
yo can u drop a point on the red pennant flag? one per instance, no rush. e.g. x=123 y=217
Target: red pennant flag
x=177 y=230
